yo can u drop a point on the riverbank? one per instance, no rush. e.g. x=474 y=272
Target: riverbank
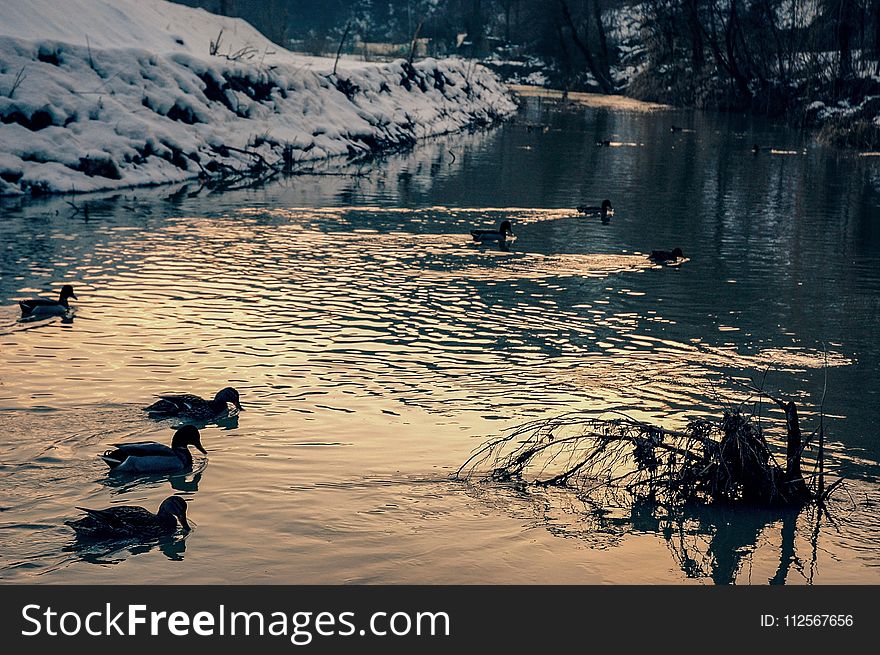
x=846 y=117
x=98 y=95
x=842 y=111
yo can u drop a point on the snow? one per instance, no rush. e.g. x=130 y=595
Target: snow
x=103 y=94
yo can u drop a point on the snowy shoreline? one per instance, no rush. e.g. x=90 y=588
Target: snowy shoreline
x=81 y=110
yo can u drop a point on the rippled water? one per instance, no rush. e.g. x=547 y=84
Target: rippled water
x=375 y=347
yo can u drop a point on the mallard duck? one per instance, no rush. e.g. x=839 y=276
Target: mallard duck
x=128 y=521
x=152 y=457
x=502 y=234
x=189 y=406
x=47 y=306
x=603 y=210
x=665 y=256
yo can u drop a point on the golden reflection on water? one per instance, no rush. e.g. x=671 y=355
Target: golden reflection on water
x=596 y=100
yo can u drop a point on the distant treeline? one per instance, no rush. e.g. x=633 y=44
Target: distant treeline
x=817 y=62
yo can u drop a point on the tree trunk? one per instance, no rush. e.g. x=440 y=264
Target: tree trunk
x=796 y=486
x=475 y=27
x=793 y=445
x=846 y=13
x=698 y=58
x=875 y=15
x=742 y=82
x=603 y=82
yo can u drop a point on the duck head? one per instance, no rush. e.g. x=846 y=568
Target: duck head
x=188 y=435
x=606 y=206
x=229 y=395
x=677 y=253
x=506 y=228
x=175 y=506
x=67 y=292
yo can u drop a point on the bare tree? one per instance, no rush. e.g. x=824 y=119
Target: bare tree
x=598 y=65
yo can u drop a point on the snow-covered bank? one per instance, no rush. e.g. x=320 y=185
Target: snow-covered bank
x=102 y=94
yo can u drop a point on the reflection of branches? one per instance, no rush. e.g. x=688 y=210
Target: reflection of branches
x=714 y=542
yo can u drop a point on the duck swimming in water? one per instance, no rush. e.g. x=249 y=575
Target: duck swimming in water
x=665 y=256
x=131 y=521
x=194 y=407
x=501 y=235
x=603 y=210
x=47 y=306
x=152 y=457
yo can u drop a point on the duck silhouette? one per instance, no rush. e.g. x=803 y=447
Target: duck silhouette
x=603 y=210
x=153 y=457
x=187 y=405
x=665 y=256
x=47 y=306
x=502 y=235
x=131 y=521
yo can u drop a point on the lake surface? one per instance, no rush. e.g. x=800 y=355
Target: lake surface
x=375 y=348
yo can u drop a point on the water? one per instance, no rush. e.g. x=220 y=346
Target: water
x=374 y=348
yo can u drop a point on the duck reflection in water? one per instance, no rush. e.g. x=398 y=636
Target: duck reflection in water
x=103 y=554
x=186 y=482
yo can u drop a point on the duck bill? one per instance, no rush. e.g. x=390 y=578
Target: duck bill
x=239 y=407
x=184 y=523
x=200 y=448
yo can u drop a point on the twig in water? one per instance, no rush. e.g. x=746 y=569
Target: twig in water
x=821 y=454
x=84 y=209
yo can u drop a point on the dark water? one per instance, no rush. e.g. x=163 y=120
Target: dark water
x=374 y=348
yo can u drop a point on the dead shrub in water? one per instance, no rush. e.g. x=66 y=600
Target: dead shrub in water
x=726 y=461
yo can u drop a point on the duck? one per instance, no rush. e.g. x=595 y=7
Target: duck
x=603 y=210
x=665 y=256
x=194 y=407
x=47 y=306
x=153 y=457
x=501 y=235
x=131 y=521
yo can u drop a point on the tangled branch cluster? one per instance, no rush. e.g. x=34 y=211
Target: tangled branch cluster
x=726 y=460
